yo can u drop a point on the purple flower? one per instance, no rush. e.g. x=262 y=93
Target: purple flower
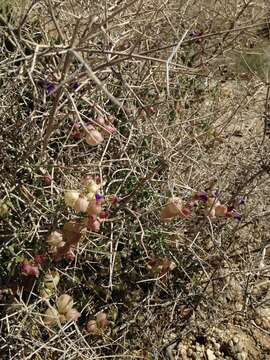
x=237 y=215
x=99 y=197
x=75 y=85
x=201 y=196
x=195 y=34
x=50 y=87
x=242 y=201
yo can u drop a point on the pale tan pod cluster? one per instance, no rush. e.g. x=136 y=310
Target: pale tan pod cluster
x=55 y=241
x=97 y=327
x=63 y=312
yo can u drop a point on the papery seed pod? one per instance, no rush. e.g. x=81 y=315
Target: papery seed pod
x=91 y=327
x=71 y=197
x=171 y=209
x=102 y=320
x=64 y=303
x=221 y=210
x=72 y=315
x=62 y=318
x=51 y=316
x=55 y=238
x=94 y=137
x=81 y=204
x=100 y=120
x=94 y=208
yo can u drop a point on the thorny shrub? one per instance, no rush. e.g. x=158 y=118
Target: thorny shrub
x=127 y=198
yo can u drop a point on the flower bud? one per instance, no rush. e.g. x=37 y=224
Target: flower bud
x=81 y=204
x=94 y=137
x=72 y=315
x=91 y=327
x=55 y=238
x=71 y=197
x=171 y=209
x=64 y=303
x=50 y=317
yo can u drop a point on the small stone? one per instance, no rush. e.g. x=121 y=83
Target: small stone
x=210 y=354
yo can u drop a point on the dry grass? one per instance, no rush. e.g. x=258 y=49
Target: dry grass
x=188 y=115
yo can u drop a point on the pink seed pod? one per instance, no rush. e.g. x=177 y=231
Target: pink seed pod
x=81 y=204
x=171 y=209
x=28 y=269
x=91 y=327
x=94 y=137
x=94 y=208
x=221 y=210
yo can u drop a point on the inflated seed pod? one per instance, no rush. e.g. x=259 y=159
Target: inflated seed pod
x=55 y=238
x=93 y=137
x=72 y=315
x=221 y=210
x=171 y=209
x=81 y=204
x=64 y=303
x=71 y=197
x=92 y=327
x=51 y=316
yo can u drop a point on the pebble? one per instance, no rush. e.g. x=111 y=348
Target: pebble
x=210 y=354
